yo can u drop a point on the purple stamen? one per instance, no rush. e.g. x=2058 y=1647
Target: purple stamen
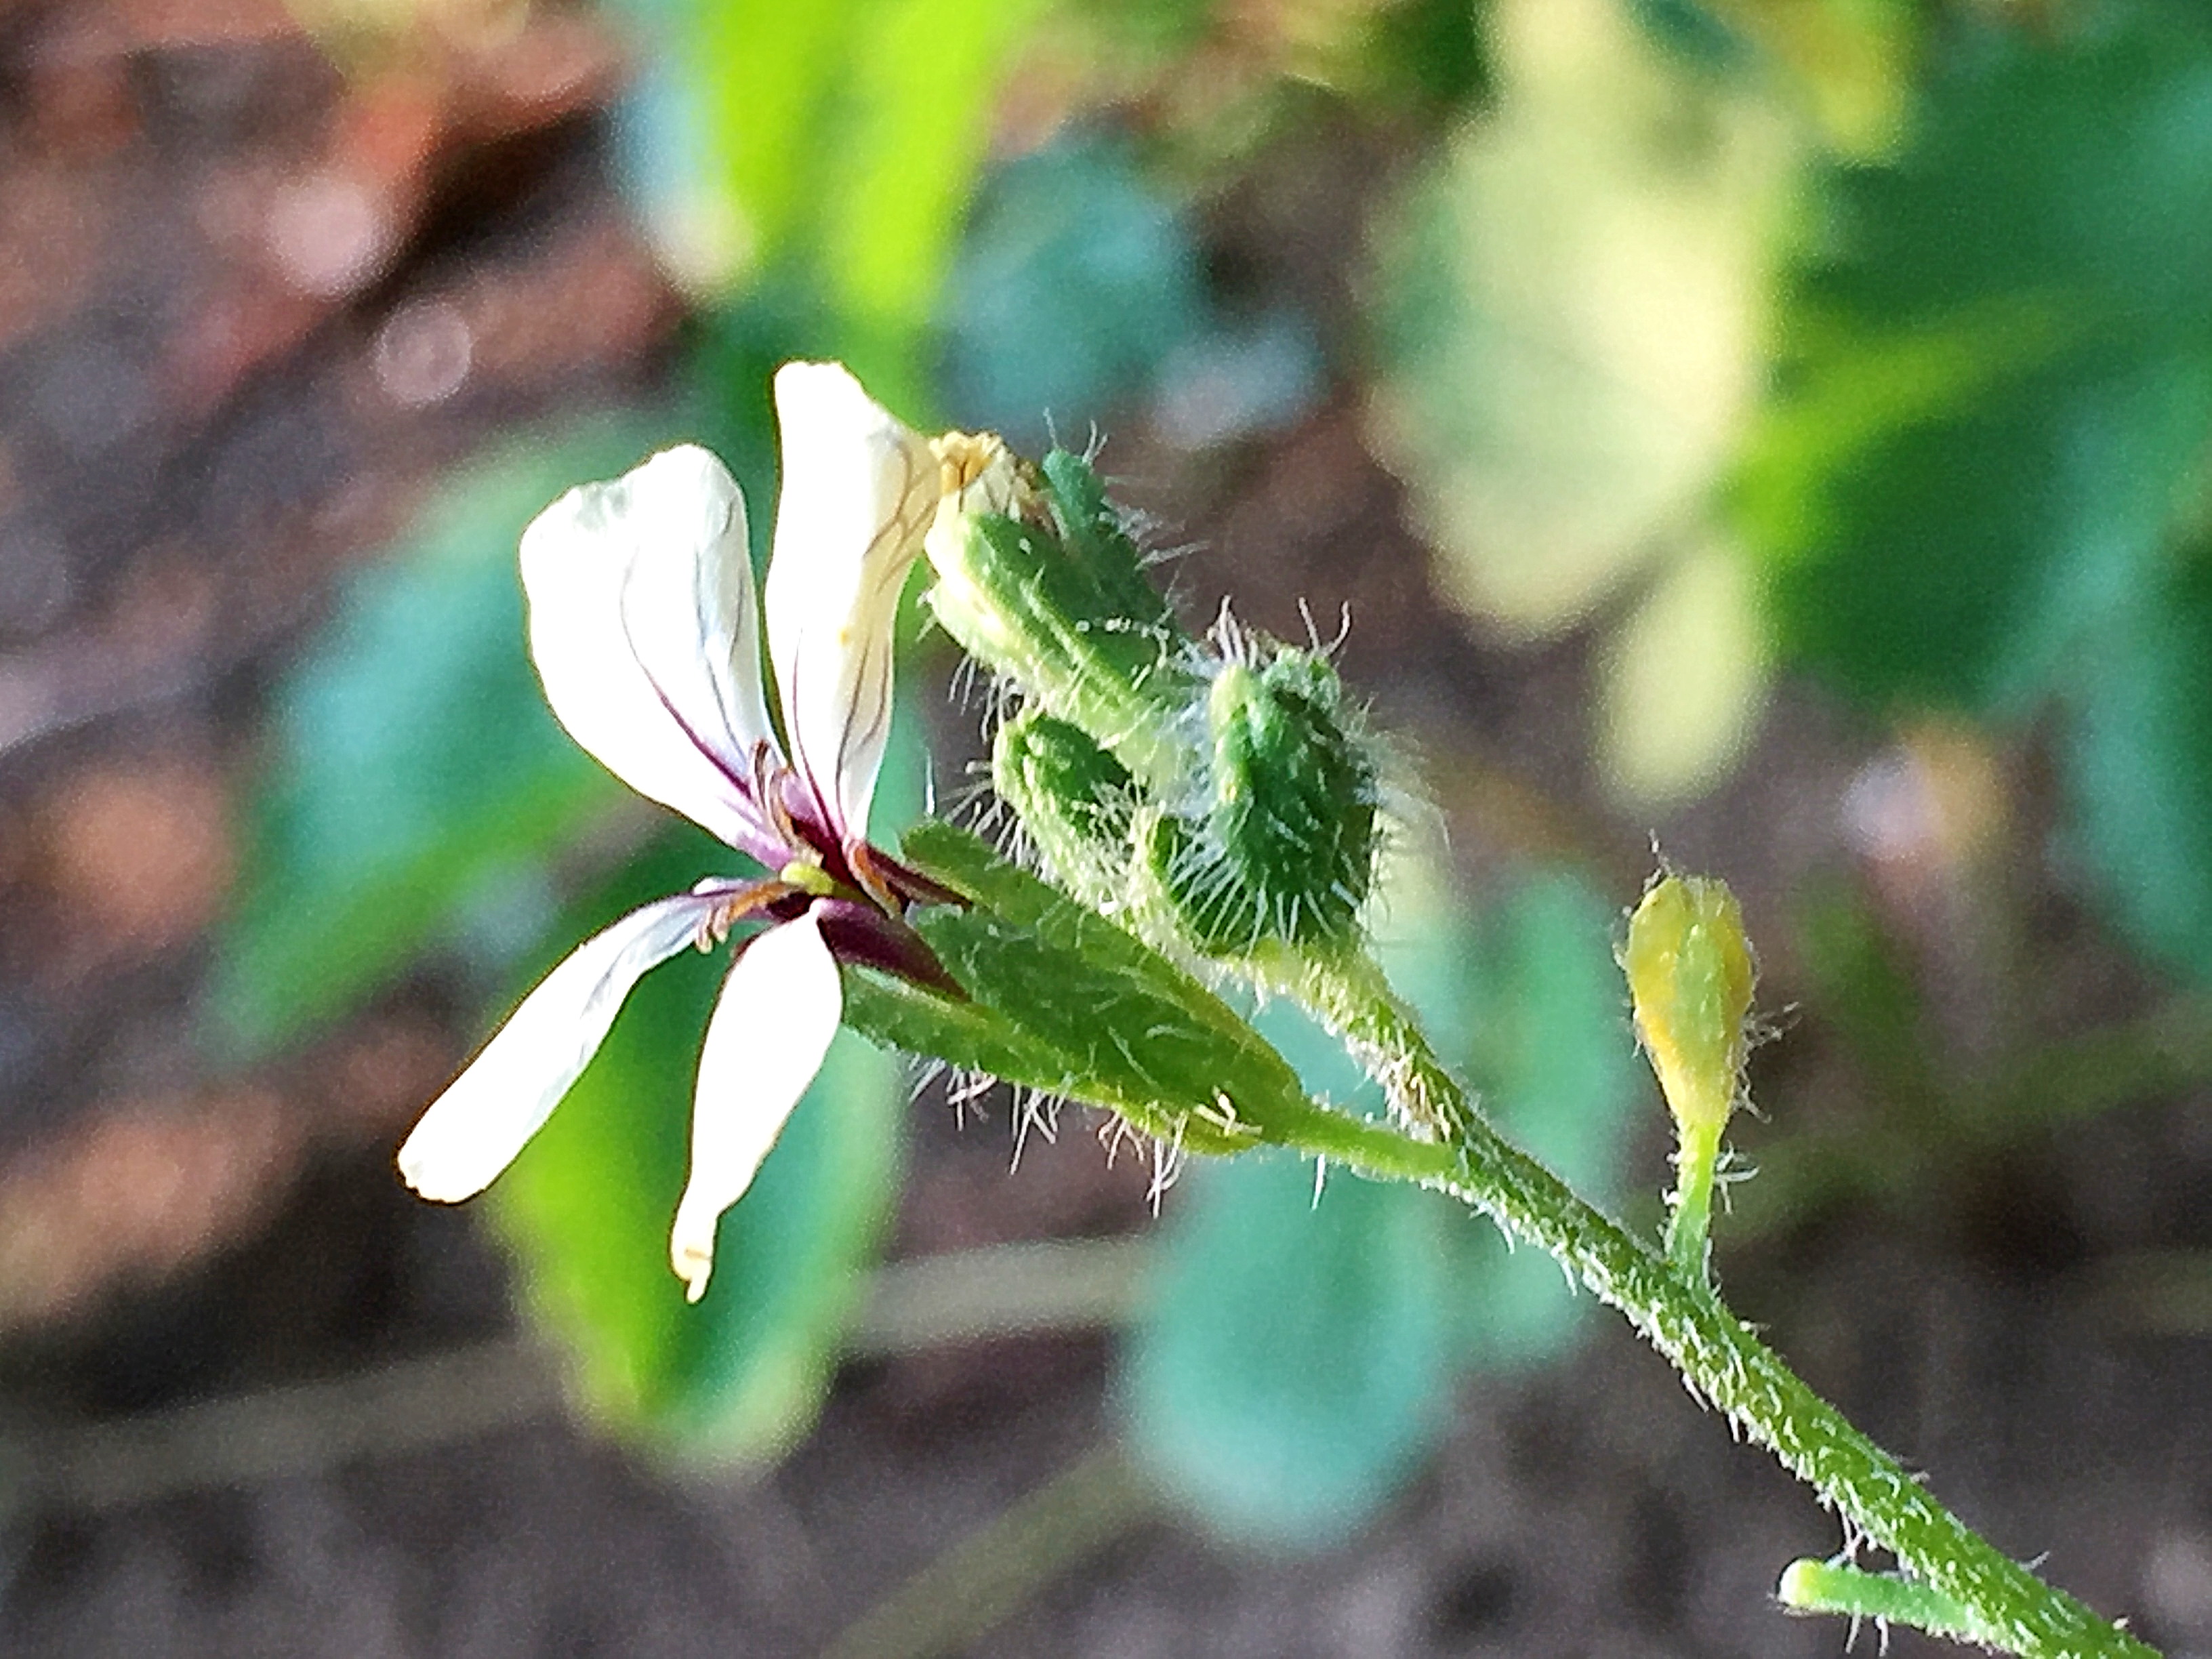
x=858 y=933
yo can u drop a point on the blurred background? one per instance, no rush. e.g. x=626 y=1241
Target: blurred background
x=1774 y=427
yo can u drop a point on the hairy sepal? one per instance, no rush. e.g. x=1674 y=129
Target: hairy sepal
x=1063 y=1000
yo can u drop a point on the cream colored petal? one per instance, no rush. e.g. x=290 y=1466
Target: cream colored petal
x=689 y=607
x=859 y=491
x=778 y=1009
x=486 y=1115
x=643 y=626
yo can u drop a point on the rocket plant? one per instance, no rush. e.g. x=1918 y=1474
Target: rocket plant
x=1197 y=822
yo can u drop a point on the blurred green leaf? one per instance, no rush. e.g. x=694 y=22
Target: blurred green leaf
x=586 y=1210
x=821 y=158
x=1294 y=1361
x=415 y=762
x=765 y=69
x=1547 y=1035
x=1998 y=378
x=1074 y=281
x=1298 y=1356
x=1567 y=333
x=1682 y=680
x=1154 y=30
x=1848 y=63
x=1567 y=315
x=1547 y=1046
x=1425 y=54
x=922 y=88
x=2140 y=771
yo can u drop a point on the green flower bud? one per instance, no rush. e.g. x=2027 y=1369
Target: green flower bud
x=1689 y=976
x=1047 y=591
x=1285 y=848
x=1076 y=802
x=1092 y=531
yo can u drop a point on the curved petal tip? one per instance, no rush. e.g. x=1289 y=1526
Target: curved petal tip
x=777 y=1012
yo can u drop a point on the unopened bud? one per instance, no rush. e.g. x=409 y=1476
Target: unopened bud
x=1091 y=530
x=1041 y=587
x=1285 y=848
x=1076 y=801
x=1689 y=976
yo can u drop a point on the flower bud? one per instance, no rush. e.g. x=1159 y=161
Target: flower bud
x=1218 y=910
x=1092 y=531
x=1045 y=590
x=1285 y=848
x=1690 y=976
x=1076 y=801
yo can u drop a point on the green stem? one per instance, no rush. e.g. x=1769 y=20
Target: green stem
x=1851 y=1592
x=1353 y=998
x=2003 y=1606
x=958 y=1597
x=1689 y=1220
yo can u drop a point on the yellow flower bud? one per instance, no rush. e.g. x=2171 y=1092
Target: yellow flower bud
x=1690 y=975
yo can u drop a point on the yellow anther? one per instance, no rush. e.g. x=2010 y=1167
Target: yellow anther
x=966 y=456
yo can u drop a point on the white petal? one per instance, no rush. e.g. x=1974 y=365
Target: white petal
x=688 y=607
x=857 y=492
x=642 y=624
x=778 y=1011
x=474 y=1130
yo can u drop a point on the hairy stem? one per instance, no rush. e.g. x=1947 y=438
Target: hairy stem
x=2002 y=1604
x=1351 y=996
x=1851 y=1592
x=1689 y=1219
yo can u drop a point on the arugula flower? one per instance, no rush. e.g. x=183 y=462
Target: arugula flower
x=644 y=628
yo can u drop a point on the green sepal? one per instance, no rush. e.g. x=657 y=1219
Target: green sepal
x=1286 y=848
x=1096 y=539
x=1076 y=801
x=1063 y=1000
x=1219 y=913
x=1016 y=601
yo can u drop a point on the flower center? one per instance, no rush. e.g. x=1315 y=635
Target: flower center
x=809 y=878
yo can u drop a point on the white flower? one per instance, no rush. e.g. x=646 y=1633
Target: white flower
x=643 y=627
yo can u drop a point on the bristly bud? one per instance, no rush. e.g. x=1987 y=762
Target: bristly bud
x=1285 y=850
x=1037 y=581
x=1690 y=976
x=1076 y=801
x=1091 y=530
x=1231 y=768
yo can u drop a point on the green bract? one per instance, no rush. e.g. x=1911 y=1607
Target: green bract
x=1062 y=1000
